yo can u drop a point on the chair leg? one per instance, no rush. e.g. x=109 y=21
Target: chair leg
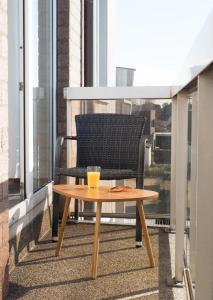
x=139 y=229
x=146 y=234
x=138 y=239
x=96 y=241
x=76 y=214
x=55 y=217
x=63 y=223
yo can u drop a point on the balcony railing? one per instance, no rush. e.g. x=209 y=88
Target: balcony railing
x=157 y=132
x=186 y=186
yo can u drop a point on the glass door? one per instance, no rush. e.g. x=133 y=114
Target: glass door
x=38 y=92
x=15 y=102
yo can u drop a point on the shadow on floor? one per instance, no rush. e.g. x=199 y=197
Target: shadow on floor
x=123 y=269
x=164 y=271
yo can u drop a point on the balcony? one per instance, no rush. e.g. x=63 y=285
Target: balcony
x=116 y=271
x=124 y=271
x=178 y=159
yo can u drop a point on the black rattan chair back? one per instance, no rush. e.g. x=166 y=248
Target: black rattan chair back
x=109 y=140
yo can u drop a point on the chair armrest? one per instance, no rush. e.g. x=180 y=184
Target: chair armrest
x=57 y=160
x=70 y=137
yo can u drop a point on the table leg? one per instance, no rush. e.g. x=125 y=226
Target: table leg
x=96 y=241
x=63 y=223
x=146 y=234
x=76 y=213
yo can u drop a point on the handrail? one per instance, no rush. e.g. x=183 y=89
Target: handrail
x=117 y=93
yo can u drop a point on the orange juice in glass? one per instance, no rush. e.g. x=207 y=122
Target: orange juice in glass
x=93 y=176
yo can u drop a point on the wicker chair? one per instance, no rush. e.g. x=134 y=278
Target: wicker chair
x=112 y=141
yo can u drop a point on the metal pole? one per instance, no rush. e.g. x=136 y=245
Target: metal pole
x=173 y=166
x=181 y=182
x=193 y=200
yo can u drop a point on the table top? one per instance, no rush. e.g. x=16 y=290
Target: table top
x=103 y=193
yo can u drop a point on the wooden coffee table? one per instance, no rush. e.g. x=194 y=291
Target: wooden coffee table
x=99 y=195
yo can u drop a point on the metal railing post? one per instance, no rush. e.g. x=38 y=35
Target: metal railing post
x=193 y=192
x=181 y=182
x=173 y=166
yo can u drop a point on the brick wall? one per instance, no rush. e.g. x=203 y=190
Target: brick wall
x=4 y=250
x=69 y=70
x=75 y=66
x=62 y=63
x=75 y=43
x=69 y=63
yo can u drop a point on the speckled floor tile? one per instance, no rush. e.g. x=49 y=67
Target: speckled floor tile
x=123 y=271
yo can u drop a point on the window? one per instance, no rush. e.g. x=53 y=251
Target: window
x=30 y=96
x=39 y=93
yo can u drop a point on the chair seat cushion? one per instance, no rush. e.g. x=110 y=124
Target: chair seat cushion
x=106 y=174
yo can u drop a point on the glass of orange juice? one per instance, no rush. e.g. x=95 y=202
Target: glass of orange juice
x=93 y=176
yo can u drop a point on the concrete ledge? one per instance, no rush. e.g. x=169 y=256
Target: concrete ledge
x=24 y=212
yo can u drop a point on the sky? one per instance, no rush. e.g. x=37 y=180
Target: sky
x=155 y=36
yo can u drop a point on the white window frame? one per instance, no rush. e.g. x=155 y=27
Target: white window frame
x=28 y=103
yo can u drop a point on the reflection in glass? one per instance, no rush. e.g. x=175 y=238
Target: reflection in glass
x=15 y=108
x=157 y=133
x=42 y=91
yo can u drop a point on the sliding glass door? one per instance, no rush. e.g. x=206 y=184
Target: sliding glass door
x=15 y=102
x=39 y=92
x=30 y=96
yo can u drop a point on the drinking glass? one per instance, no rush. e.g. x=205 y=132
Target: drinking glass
x=93 y=176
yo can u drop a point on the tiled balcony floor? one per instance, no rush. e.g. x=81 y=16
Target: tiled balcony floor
x=123 y=272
